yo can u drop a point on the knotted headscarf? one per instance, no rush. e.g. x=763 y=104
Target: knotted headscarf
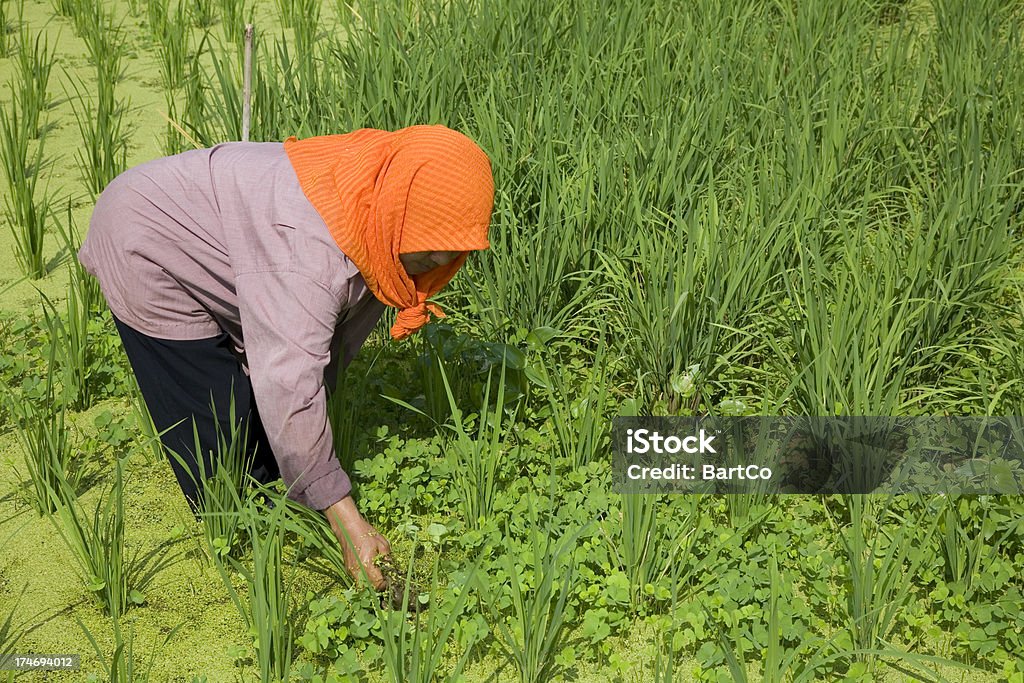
x=381 y=194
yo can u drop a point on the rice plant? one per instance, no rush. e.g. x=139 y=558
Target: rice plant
x=173 y=38
x=10 y=633
x=34 y=62
x=234 y=15
x=577 y=419
x=879 y=564
x=221 y=476
x=264 y=607
x=123 y=667
x=303 y=17
x=85 y=286
x=11 y=14
x=345 y=405
x=105 y=41
x=152 y=447
x=536 y=630
x=202 y=13
x=103 y=154
x=116 y=578
x=478 y=459
x=853 y=356
x=156 y=17
x=316 y=534
x=414 y=648
x=75 y=353
x=964 y=544
x=41 y=428
x=27 y=214
x=65 y=8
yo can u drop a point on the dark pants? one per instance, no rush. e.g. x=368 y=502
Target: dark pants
x=178 y=379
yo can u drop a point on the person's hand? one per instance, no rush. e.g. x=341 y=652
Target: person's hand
x=360 y=542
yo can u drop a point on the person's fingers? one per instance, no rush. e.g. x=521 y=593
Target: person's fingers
x=376 y=577
x=373 y=572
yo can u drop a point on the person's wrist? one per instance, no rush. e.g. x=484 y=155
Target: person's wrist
x=344 y=512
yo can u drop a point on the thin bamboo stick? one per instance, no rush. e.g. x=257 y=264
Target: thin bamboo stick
x=247 y=84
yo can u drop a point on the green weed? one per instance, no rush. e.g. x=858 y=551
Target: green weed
x=414 y=648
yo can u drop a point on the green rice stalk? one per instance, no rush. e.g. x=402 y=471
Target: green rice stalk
x=300 y=83
x=33 y=74
x=966 y=544
x=478 y=459
x=226 y=86
x=10 y=633
x=74 y=349
x=537 y=629
x=346 y=412
x=79 y=352
x=414 y=648
x=264 y=607
x=104 y=152
x=122 y=666
x=811 y=659
x=195 y=116
x=877 y=594
x=441 y=349
x=156 y=17
x=173 y=40
x=315 y=532
x=116 y=579
x=66 y=8
x=105 y=42
x=234 y=15
x=26 y=215
x=11 y=14
x=202 y=13
x=856 y=334
x=153 y=448
x=40 y=427
x=222 y=477
x=85 y=285
x=578 y=421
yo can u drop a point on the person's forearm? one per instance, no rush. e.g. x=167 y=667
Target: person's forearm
x=343 y=513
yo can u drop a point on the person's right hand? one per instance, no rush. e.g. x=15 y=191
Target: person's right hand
x=360 y=542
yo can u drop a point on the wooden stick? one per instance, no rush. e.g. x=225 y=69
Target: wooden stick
x=247 y=84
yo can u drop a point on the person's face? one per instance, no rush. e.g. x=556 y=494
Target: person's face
x=421 y=261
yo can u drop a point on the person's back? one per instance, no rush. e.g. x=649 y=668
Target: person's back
x=169 y=238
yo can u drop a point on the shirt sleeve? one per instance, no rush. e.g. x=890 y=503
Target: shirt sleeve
x=288 y=322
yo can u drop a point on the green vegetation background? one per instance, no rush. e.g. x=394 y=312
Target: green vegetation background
x=610 y=196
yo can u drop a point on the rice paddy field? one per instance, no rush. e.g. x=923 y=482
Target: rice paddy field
x=770 y=207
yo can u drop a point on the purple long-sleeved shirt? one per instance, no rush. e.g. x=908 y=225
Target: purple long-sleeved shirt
x=223 y=239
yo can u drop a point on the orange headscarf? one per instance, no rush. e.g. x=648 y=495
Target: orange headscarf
x=381 y=194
